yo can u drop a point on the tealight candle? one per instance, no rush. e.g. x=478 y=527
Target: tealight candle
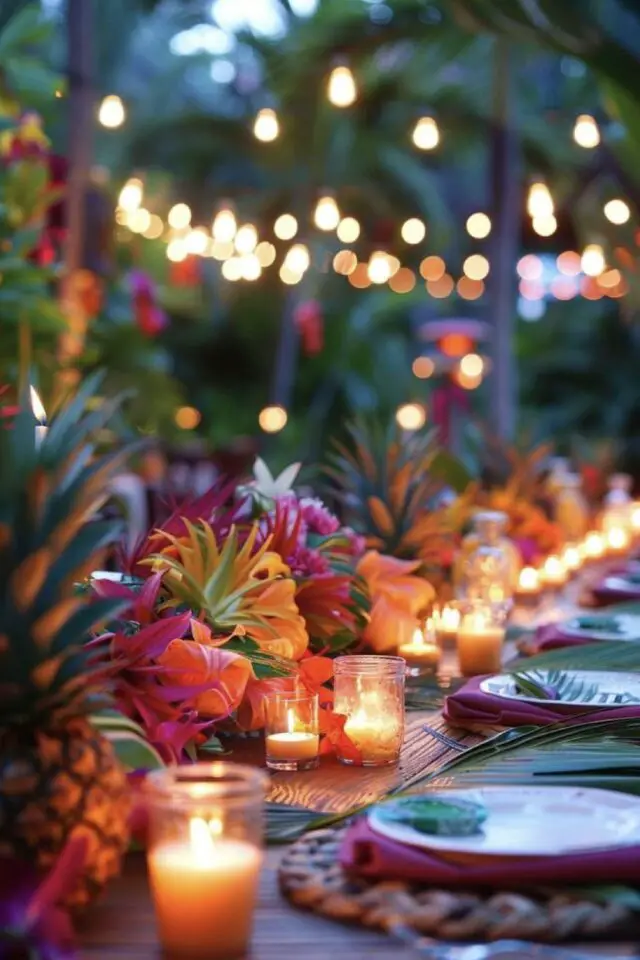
x=480 y=641
x=422 y=653
x=553 y=573
x=594 y=546
x=446 y=622
x=634 y=519
x=528 y=592
x=571 y=558
x=369 y=692
x=618 y=540
x=40 y=414
x=292 y=736
x=204 y=858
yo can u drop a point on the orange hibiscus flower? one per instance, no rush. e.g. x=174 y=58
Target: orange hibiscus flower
x=398 y=598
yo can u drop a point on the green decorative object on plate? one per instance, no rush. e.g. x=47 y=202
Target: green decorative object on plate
x=602 y=624
x=435 y=815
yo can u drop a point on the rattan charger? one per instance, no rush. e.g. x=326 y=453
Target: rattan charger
x=311 y=878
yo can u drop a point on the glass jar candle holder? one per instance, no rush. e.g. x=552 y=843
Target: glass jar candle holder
x=204 y=856
x=292 y=735
x=422 y=654
x=446 y=621
x=369 y=692
x=481 y=639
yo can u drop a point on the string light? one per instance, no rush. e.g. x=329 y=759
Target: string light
x=472 y=365
x=531 y=289
x=432 y=268
x=187 y=418
x=610 y=278
x=131 y=195
x=476 y=267
x=345 y=262
x=341 y=89
x=272 y=419
x=466 y=381
x=379 y=268
x=545 y=226
x=403 y=281
x=138 y=220
x=360 y=277
x=585 y=132
x=289 y=276
x=177 y=250
x=426 y=135
x=232 y=269
x=224 y=226
x=326 y=215
x=222 y=249
x=479 y=226
x=111 y=113
x=297 y=259
x=592 y=261
x=265 y=253
x=564 y=288
x=246 y=239
x=197 y=241
x=617 y=211
x=413 y=231
x=179 y=216
x=423 y=368
x=154 y=228
x=529 y=267
x=411 y=416
x=469 y=289
x=348 y=230
x=266 y=126
x=285 y=227
x=250 y=268
x=568 y=263
x=539 y=201
x=440 y=288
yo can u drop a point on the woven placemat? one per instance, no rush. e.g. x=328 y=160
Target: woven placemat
x=312 y=878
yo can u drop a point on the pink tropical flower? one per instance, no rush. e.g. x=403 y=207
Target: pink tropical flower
x=317 y=517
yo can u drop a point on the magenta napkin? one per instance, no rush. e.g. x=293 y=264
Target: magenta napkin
x=470 y=708
x=604 y=596
x=366 y=853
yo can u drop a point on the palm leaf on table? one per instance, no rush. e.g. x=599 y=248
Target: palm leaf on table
x=556 y=686
x=615 y=656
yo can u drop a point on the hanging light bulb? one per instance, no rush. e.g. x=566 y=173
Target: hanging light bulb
x=179 y=216
x=297 y=259
x=196 y=241
x=426 y=135
x=617 y=211
x=592 y=261
x=539 y=201
x=285 y=227
x=266 y=126
x=224 y=226
x=246 y=239
x=111 y=112
x=411 y=416
x=272 y=419
x=585 y=132
x=341 y=89
x=545 y=226
x=326 y=216
x=479 y=226
x=413 y=231
x=348 y=230
x=131 y=195
x=379 y=269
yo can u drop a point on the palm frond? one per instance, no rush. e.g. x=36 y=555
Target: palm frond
x=556 y=685
x=619 y=656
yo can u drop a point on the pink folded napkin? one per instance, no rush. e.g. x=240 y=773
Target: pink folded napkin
x=366 y=853
x=604 y=596
x=551 y=636
x=471 y=708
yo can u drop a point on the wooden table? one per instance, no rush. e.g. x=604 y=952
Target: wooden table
x=122 y=926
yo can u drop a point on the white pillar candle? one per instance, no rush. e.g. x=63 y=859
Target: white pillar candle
x=479 y=645
x=292 y=744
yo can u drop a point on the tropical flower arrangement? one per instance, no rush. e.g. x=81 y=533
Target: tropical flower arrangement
x=241 y=593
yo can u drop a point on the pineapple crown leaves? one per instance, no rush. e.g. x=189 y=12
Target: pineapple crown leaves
x=47 y=544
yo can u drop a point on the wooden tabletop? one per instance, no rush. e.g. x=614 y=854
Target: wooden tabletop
x=122 y=926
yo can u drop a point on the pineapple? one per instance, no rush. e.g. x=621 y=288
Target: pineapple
x=58 y=776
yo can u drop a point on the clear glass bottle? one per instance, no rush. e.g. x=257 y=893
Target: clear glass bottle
x=617 y=502
x=558 y=469
x=369 y=692
x=488 y=566
x=571 y=510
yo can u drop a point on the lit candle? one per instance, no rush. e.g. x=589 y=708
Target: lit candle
x=293 y=745
x=634 y=519
x=479 y=645
x=446 y=622
x=378 y=736
x=594 y=546
x=528 y=591
x=369 y=693
x=554 y=573
x=204 y=890
x=618 y=540
x=571 y=558
x=422 y=653
x=40 y=414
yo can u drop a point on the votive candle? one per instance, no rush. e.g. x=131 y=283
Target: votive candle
x=292 y=734
x=422 y=653
x=369 y=692
x=446 y=622
x=553 y=573
x=480 y=642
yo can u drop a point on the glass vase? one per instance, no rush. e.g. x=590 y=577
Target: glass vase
x=369 y=692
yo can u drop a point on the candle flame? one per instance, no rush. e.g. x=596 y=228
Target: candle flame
x=37 y=406
x=291 y=720
x=450 y=618
x=571 y=557
x=617 y=538
x=215 y=826
x=553 y=567
x=635 y=519
x=594 y=545
x=528 y=579
x=201 y=840
x=418 y=638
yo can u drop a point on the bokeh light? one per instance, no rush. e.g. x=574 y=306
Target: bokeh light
x=411 y=416
x=272 y=419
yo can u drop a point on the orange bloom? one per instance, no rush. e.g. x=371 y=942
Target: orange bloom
x=398 y=598
x=252 y=711
x=224 y=672
x=286 y=635
x=335 y=739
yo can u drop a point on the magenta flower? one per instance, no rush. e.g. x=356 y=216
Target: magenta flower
x=317 y=517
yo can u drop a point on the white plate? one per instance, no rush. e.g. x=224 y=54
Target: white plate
x=533 y=821
x=107 y=575
x=611 y=689
x=629 y=626
x=620 y=583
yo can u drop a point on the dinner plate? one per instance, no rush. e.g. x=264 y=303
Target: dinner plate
x=611 y=689
x=621 y=583
x=532 y=821
x=629 y=624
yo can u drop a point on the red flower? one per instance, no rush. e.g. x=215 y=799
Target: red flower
x=335 y=740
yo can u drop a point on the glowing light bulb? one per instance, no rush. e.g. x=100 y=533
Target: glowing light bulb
x=297 y=259
x=285 y=227
x=139 y=220
x=326 y=216
x=423 y=368
x=246 y=239
x=250 y=267
x=177 y=250
x=413 y=231
x=179 y=216
x=426 y=135
x=341 y=89
x=224 y=226
x=592 y=260
x=111 y=112
x=348 y=230
x=379 y=268
x=266 y=253
x=154 y=228
x=476 y=267
x=585 y=132
x=187 y=418
x=539 y=201
x=411 y=416
x=232 y=269
x=545 y=226
x=479 y=226
x=131 y=195
x=272 y=419
x=266 y=126
x=617 y=211
x=472 y=365
x=196 y=241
